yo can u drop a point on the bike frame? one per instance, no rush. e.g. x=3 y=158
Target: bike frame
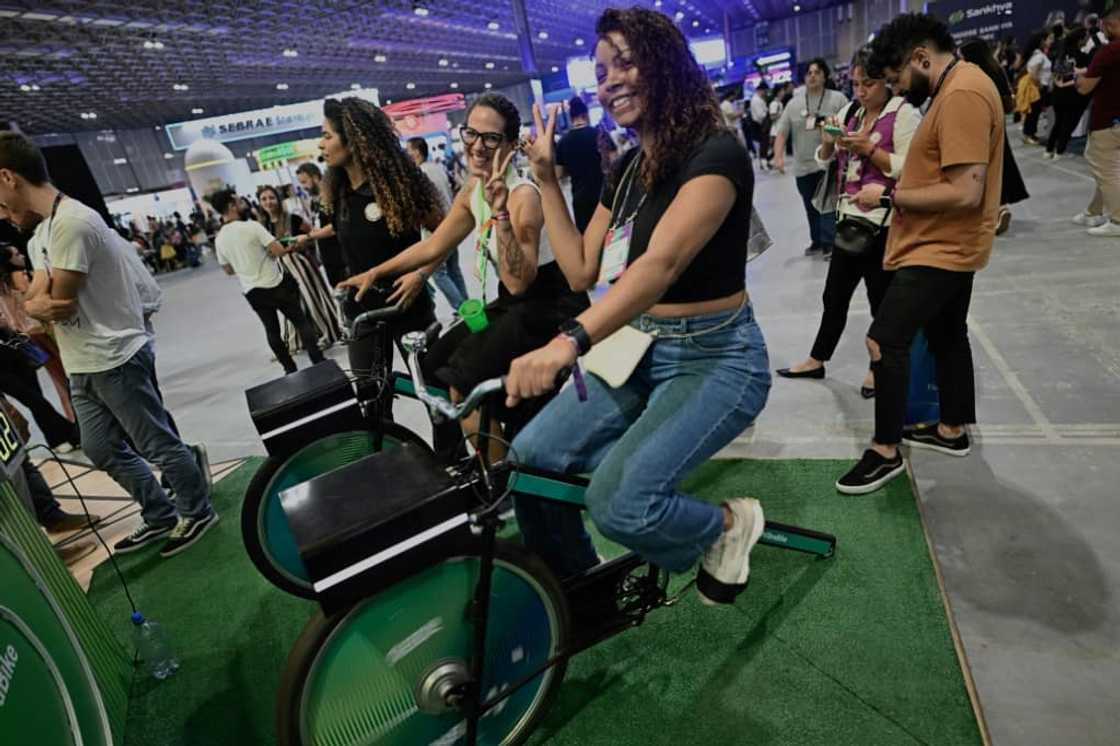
x=651 y=587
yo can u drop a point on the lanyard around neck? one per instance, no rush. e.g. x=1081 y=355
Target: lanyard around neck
x=50 y=224
x=942 y=79
x=628 y=179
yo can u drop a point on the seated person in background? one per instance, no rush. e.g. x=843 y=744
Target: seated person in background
x=504 y=206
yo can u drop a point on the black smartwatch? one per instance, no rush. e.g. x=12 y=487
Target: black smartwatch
x=574 y=329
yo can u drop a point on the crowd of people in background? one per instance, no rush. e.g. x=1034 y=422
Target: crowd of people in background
x=913 y=128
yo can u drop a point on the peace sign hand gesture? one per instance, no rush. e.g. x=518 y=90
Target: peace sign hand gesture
x=495 y=191
x=540 y=148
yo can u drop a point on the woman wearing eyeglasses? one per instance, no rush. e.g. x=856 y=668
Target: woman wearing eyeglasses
x=504 y=205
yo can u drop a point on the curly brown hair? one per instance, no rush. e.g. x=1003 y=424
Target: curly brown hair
x=676 y=95
x=406 y=196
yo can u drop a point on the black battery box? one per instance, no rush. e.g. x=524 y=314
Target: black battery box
x=362 y=527
x=296 y=409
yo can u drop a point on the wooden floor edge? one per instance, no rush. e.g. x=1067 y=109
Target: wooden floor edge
x=958 y=644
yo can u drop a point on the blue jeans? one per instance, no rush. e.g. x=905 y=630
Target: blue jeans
x=449 y=279
x=687 y=399
x=822 y=226
x=121 y=405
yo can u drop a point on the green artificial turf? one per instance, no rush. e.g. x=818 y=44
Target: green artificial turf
x=854 y=649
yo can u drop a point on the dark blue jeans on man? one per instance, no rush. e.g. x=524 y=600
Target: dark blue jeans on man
x=822 y=225
x=120 y=406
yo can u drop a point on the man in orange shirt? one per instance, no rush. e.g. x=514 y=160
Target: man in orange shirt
x=946 y=207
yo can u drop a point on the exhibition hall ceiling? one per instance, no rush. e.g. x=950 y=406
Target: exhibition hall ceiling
x=67 y=65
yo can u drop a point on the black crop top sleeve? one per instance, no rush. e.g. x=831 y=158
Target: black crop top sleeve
x=719 y=269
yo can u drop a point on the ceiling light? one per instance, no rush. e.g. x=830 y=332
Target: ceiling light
x=555 y=69
x=657 y=3
x=579 y=41
x=25 y=87
x=197 y=110
x=454 y=86
x=489 y=65
x=410 y=86
x=707 y=31
x=678 y=15
x=119 y=161
x=388 y=101
x=797 y=9
x=420 y=11
x=281 y=86
x=444 y=62
x=34 y=87
x=379 y=58
x=168 y=156
x=132 y=190
x=695 y=24
x=291 y=53
x=493 y=25
x=181 y=87
x=488 y=86
x=542 y=35
x=355 y=86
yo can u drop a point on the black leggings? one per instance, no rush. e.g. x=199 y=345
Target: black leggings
x=936 y=301
x=844 y=273
x=21 y=382
x=285 y=299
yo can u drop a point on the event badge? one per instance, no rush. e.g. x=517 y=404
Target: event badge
x=616 y=252
x=373 y=212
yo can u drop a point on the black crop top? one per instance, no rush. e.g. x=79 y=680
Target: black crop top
x=719 y=269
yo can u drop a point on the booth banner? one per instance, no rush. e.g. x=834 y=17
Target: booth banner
x=995 y=19
x=232 y=127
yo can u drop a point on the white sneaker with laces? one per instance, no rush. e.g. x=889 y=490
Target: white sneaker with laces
x=1106 y=230
x=726 y=566
x=1089 y=221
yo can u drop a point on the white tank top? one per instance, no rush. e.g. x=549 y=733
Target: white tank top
x=515 y=179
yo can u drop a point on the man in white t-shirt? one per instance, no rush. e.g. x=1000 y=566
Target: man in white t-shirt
x=449 y=277
x=84 y=285
x=246 y=249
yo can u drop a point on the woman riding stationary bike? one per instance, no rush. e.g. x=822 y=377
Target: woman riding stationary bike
x=686 y=356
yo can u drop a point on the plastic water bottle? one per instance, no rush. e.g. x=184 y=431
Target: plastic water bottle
x=153 y=647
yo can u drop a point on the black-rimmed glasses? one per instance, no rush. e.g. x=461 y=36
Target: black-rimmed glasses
x=490 y=140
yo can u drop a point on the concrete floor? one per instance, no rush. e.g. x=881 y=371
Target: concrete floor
x=1024 y=529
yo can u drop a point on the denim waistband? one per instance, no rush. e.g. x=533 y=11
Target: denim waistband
x=686 y=326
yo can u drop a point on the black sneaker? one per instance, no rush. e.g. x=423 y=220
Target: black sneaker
x=927 y=437
x=813 y=249
x=186 y=532
x=202 y=458
x=826 y=252
x=871 y=473
x=141 y=536
x=726 y=566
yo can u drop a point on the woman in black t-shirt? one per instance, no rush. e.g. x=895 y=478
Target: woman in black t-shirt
x=313 y=292
x=686 y=359
x=378 y=200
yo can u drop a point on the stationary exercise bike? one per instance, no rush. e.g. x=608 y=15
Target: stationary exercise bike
x=432 y=629
x=312 y=422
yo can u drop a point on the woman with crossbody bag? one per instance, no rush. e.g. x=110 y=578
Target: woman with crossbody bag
x=869 y=161
x=680 y=366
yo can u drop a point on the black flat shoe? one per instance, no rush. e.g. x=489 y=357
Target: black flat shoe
x=816 y=373
x=867 y=392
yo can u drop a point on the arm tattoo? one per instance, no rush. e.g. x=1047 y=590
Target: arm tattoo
x=509 y=250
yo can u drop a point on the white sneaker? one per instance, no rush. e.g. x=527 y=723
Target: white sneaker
x=1107 y=230
x=727 y=563
x=1089 y=221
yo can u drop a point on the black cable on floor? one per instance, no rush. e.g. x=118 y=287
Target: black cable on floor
x=89 y=518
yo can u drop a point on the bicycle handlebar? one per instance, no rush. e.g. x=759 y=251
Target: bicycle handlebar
x=416 y=344
x=367 y=317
